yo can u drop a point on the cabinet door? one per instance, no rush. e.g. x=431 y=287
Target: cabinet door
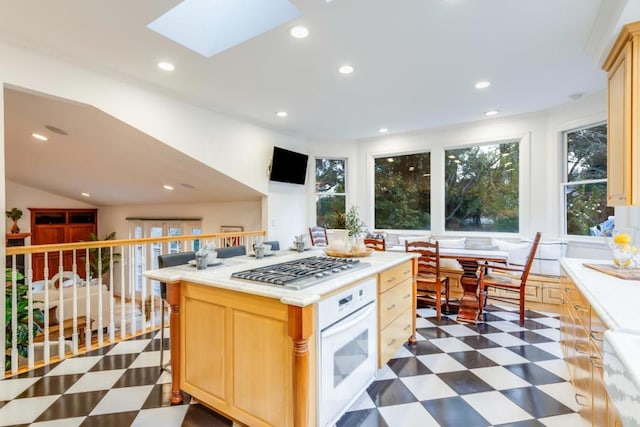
x=48 y=234
x=619 y=127
x=79 y=232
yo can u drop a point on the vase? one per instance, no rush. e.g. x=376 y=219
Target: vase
x=14 y=227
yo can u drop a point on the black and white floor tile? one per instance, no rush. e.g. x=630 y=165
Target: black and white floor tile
x=495 y=373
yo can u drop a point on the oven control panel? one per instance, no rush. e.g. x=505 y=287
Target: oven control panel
x=342 y=304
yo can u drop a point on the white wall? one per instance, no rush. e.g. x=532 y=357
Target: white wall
x=238 y=149
x=246 y=214
x=24 y=197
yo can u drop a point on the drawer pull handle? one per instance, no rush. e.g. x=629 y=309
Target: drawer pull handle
x=581 y=349
x=596 y=362
x=597 y=335
x=407 y=327
x=407 y=296
x=391 y=307
x=406 y=272
x=578 y=307
x=392 y=342
x=391 y=279
x=564 y=300
x=581 y=399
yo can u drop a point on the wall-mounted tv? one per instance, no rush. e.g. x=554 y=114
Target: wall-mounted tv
x=288 y=166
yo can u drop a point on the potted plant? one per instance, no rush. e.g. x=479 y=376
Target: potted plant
x=22 y=317
x=100 y=258
x=14 y=214
x=353 y=225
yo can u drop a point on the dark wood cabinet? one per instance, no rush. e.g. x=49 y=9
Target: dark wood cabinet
x=53 y=226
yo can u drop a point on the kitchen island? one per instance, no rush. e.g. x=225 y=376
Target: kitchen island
x=250 y=350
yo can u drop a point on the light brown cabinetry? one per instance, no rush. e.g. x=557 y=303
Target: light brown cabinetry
x=581 y=338
x=623 y=147
x=396 y=309
x=237 y=355
x=53 y=226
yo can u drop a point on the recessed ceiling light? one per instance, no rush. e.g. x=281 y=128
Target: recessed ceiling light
x=167 y=187
x=299 y=32
x=166 y=66
x=40 y=137
x=491 y=113
x=189 y=186
x=383 y=130
x=282 y=114
x=483 y=84
x=86 y=194
x=345 y=69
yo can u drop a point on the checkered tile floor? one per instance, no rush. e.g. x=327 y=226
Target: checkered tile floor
x=493 y=374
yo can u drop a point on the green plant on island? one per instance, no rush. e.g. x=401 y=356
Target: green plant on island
x=22 y=317
x=351 y=221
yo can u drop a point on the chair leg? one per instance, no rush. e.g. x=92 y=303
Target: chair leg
x=162 y=334
x=522 y=307
x=446 y=295
x=438 y=300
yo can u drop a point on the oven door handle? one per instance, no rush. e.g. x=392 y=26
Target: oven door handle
x=327 y=333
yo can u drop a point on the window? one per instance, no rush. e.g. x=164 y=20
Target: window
x=585 y=187
x=481 y=188
x=403 y=192
x=331 y=195
x=146 y=256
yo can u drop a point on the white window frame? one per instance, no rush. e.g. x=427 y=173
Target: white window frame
x=564 y=178
x=317 y=194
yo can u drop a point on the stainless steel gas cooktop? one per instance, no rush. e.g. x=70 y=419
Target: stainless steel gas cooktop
x=301 y=273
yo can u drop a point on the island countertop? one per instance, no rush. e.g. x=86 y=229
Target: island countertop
x=220 y=275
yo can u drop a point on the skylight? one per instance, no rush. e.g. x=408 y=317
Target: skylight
x=212 y=26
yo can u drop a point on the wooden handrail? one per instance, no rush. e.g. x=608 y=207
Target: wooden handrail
x=17 y=250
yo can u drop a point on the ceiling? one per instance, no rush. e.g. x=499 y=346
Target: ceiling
x=416 y=63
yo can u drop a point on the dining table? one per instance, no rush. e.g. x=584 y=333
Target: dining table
x=471 y=260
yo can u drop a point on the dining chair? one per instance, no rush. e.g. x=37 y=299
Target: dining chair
x=318 y=236
x=231 y=251
x=375 y=244
x=275 y=244
x=169 y=260
x=432 y=287
x=509 y=277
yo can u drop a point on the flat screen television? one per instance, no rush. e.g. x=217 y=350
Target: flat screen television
x=288 y=166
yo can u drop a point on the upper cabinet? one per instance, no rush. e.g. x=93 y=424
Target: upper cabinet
x=623 y=156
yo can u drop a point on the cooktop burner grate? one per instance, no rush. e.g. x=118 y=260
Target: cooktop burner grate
x=300 y=273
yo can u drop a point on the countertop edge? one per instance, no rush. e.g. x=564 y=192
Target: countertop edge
x=299 y=298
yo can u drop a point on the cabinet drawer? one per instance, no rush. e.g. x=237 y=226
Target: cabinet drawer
x=393 y=336
x=597 y=331
x=394 y=275
x=393 y=302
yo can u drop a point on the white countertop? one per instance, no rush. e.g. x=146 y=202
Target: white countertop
x=220 y=275
x=616 y=302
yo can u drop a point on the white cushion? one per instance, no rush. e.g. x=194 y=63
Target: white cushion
x=518 y=251
x=424 y=238
x=453 y=243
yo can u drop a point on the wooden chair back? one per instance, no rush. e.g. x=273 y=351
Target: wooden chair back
x=429 y=261
x=375 y=244
x=318 y=236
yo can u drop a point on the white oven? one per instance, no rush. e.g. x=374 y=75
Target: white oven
x=347 y=348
